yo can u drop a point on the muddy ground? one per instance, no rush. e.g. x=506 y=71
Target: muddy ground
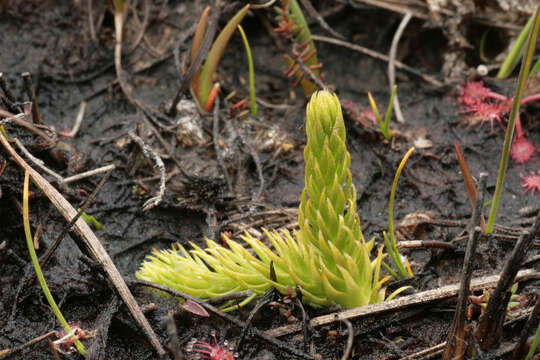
x=52 y=41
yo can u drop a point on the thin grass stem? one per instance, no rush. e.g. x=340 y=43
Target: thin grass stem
x=512 y=59
x=389 y=113
x=392 y=244
x=384 y=125
x=37 y=268
x=251 y=72
x=523 y=75
x=534 y=345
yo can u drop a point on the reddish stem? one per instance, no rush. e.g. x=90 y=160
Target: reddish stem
x=519 y=129
x=530 y=98
x=525 y=100
x=500 y=97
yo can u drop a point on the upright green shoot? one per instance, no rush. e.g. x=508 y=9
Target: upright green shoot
x=534 y=345
x=523 y=74
x=391 y=244
x=91 y=220
x=384 y=125
x=251 y=72
x=512 y=59
x=215 y=54
x=37 y=268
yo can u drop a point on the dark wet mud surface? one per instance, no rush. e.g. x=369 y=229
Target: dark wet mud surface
x=51 y=41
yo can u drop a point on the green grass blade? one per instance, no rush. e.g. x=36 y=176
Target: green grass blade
x=384 y=125
x=534 y=345
x=393 y=243
x=396 y=259
x=388 y=115
x=251 y=72
x=523 y=75
x=215 y=54
x=375 y=110
x=512 y=59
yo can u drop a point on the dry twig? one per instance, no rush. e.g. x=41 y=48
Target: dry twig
x=391 y=64
x=458 y=336
x=78 y=121
x=7 y=353
x=36 y=115
x=427 y=78
x=38 y=162
x=315 y=14
x=350 y=340
x=421 y=298
x=489 y=329
x=150 y=153
x=88 y=173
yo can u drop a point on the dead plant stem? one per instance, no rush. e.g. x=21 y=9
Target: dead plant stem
x=457 y=338
x=150 y=153
x=9 y=352
x=392 y=67
x=489 y=329
x=36 y=115
x=422 y=298
x=78 y=120
x=398 y=64
x=315 y=14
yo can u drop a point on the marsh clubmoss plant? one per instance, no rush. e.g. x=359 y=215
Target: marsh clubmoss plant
x=328 y=258
x=293 y=25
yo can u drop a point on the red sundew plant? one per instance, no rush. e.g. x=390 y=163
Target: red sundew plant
x=65 y=341
x=482 y=104
x=363 y=116
x=481 y=112
x=206 y=350
x=531 y=182
x=522 y=150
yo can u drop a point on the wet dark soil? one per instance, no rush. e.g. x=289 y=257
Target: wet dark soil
x=52 y=41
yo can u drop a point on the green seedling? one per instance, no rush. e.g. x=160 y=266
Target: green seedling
x=383 y=125
x=3 y=132
x=251 y=72
x=328 y=259
x=293 y=25
x=523 y=74
x=404 y=270
x=91 y=220
x=482 y=301
x=534 y=345
x=37 y=268
x=202 y=81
